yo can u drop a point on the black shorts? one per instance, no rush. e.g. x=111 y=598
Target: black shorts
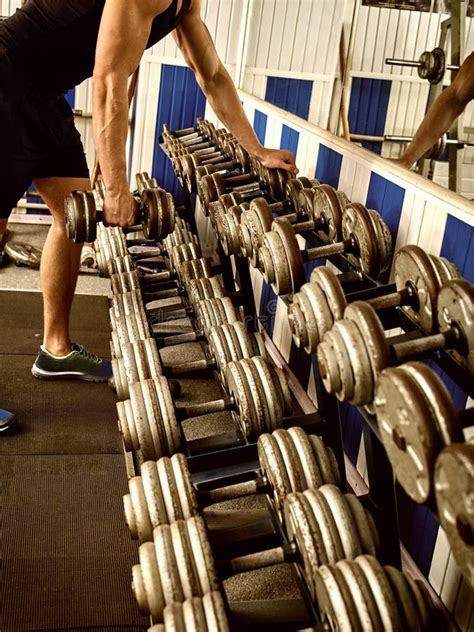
x=38 y=139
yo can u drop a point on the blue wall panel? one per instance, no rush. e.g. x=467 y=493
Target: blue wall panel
x=289 y=139
x=292 y=95
x=71 y=97
x=368 y=108
x=328 y=168
x=387 y=198
x=260 y=125
x=180 y=102
x=458 y=246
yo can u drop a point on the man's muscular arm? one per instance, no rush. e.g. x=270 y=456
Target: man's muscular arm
x=197 y=47
x=123 y=34
x=442 y=114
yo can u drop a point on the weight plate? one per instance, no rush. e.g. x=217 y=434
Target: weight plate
x=384 y=239
x=302 y=528
x=426 y=611
x=365 y=527
x=260 y=420
x=406 y=603
x=147 y=583
x=407 y=429
x=344 y=520
x=446 y=270
x=273 y=467
x=169 y=491
x=319 y=315
x=327 y=280
x=216 y=618
x=293 y=255
x=168 y=417
x=362 y=595
x=184 y=486
x=439 y=399
x=169 y=571
x=202 y=554
x=238 y=388
x=327 y=524
x=308 y=461
x=454 y=487
x=275 y=405
x=137 y=516
x=413 y=267
x=335 y=604
x=382 y=592
x=358 y=226
x=141 y=424
x=456 y=307
x=185 y=554
x=328 y=211
x=154 y=497
x=363 y=380
x=291 y=460
x=328 y=364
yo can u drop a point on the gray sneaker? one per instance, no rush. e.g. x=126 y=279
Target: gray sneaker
x=80 y=364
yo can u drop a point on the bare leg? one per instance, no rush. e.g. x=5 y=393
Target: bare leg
x=59 y=264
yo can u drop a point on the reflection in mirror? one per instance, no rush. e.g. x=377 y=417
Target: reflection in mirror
x=402 y=55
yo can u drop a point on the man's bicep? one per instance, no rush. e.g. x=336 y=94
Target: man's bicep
x=123 y=34
x=195 y=43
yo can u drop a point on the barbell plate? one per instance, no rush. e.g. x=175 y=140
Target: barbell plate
x=333 y=609
x=148 y=592
x=168 y=416
x=340 y=510
x=364 y=524
x=408 y=432
x=136 y=511
x=273 y=466
x=406 y=603
x=141 y=424
x=454 y=487
x=382 y=592
x=328 y=208
x=308 y=461
x=186 y=554
x=331 y=287
x=412 y=266
x=327 y=524
x=214 y=609
x=203 y=555
x=362 y=595
x=153 y=494
x=357 y=224
x=170 y=572
x=456 y=305
x=273 y=401
x=184 y=486
x=169 y=490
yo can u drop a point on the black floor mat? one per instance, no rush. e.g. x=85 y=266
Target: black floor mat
x=67 y=554
x=21 y=322
x=56 y=417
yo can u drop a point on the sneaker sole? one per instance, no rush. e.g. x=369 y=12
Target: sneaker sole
x=65 y=375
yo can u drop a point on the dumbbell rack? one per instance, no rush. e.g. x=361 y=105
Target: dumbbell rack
x=381 y=497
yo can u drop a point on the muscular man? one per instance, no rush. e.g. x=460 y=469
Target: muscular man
x=49 y=46
x=442 y=114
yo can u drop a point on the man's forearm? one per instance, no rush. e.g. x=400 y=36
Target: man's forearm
x=110 y=124
x=225 y=102
x=437 y=121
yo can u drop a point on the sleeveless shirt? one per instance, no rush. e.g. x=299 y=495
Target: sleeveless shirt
x=50 y=44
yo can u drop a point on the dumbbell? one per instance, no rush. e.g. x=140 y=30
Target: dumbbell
x=290 y=461
x=323 y=526
x=155 y=214
x=454 y=484
x=203 y=615
x=239 y=225
x=361 y=594
x=130 y=322
x=202 y=127
x=431 y=65
x=271 y=181
x=321 y=302
x=194 y=168
x=354 y=352
x=365 y=238
x=258 y=392
x=141 y=360
x=315 y=207
x=414 y=392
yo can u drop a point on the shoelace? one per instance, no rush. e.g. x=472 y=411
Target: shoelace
x=88 y=355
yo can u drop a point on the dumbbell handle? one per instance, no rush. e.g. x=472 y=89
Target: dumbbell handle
x=286 y=553
x=419 y=347
x=259 y=485
x=411 y=63
x=207 y=408
x=189 y=367
x=405 y=296
x=321 y=252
